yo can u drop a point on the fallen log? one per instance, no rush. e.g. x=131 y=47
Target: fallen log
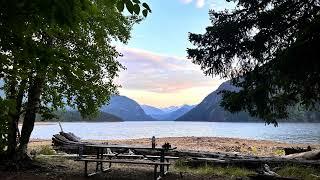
x=310 y=155
x=294 y=150
x=248 y=163
x=70 y=136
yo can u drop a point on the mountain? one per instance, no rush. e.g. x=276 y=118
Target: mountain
x=170 y=109
x=74 y=116
x=126 y=108
x=70 y=116
x=150 y=110
x=181 y=111
x=169 y=114
x=210 y=110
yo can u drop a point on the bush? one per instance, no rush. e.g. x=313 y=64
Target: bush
x=47 y=150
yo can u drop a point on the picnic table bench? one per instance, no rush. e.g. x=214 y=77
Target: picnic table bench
x=110 y=161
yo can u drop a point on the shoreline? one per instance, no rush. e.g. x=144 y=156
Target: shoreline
x=208 y=144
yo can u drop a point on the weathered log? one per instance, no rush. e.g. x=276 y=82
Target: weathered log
x=310 y=155
x=267 y=171
x=70 y=136
x=248 y=163
x=294 y=150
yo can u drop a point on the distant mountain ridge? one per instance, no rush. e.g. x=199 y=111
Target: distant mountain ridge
x=150 y=110
x=126 y=108
x=71 y=116
x=166 y=114
x=210 y=110
x=170 y=109
x=75 y=116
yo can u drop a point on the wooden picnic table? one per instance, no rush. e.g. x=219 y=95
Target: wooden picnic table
x=102 y=148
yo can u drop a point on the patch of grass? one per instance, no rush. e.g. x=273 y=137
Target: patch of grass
x=279 y=152
x=301 y=172
x=254 y=150
x=228 y=171
x=46 y=150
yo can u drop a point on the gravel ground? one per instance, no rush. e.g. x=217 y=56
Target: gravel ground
x=56 y=168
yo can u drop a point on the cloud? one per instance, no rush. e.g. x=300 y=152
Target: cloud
x=186 y=1
x=219 y=5
x=152 y=72
x=199 y=3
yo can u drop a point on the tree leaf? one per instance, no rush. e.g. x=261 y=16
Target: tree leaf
x=129 y=6
x=145 y=5
x=120 y=6
x=136 y=1
x=136 y=8
x=145 y=13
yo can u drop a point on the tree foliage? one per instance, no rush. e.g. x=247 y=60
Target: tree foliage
x=57 y=53
x=269 y=48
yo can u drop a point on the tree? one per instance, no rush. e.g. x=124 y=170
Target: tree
x=56 y=53
x=269 y=48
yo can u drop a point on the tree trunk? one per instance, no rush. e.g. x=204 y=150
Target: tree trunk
x=12 y=126
x=32 y=108
x=12 y=130
x=14 y=115
x=20 y=95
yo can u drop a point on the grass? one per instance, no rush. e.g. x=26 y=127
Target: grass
x=254 y=150
x=279 y=152
x=46 y=150
x=228 y=171
x=301 y=172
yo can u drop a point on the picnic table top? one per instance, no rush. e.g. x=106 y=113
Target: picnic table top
x=124 y=146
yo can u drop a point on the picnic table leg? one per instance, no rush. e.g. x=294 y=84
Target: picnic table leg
x=85 y=168
x=162 y=161
x=97 y=164
x=101 y=157
x=155 y=172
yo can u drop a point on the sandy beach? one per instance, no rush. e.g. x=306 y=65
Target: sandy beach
x=211 y=144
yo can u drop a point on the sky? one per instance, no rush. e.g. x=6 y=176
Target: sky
x=157 y=70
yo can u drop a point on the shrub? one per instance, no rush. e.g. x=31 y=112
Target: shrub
x=47 y=150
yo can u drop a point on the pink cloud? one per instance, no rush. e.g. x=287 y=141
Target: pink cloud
x=154 y=72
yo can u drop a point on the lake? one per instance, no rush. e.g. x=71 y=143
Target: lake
x=286 y=132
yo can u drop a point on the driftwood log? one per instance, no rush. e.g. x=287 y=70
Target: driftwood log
x=294 y=150
x=309 y=155
x=268 y=174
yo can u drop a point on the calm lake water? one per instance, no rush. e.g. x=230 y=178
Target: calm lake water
x=286 y=132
